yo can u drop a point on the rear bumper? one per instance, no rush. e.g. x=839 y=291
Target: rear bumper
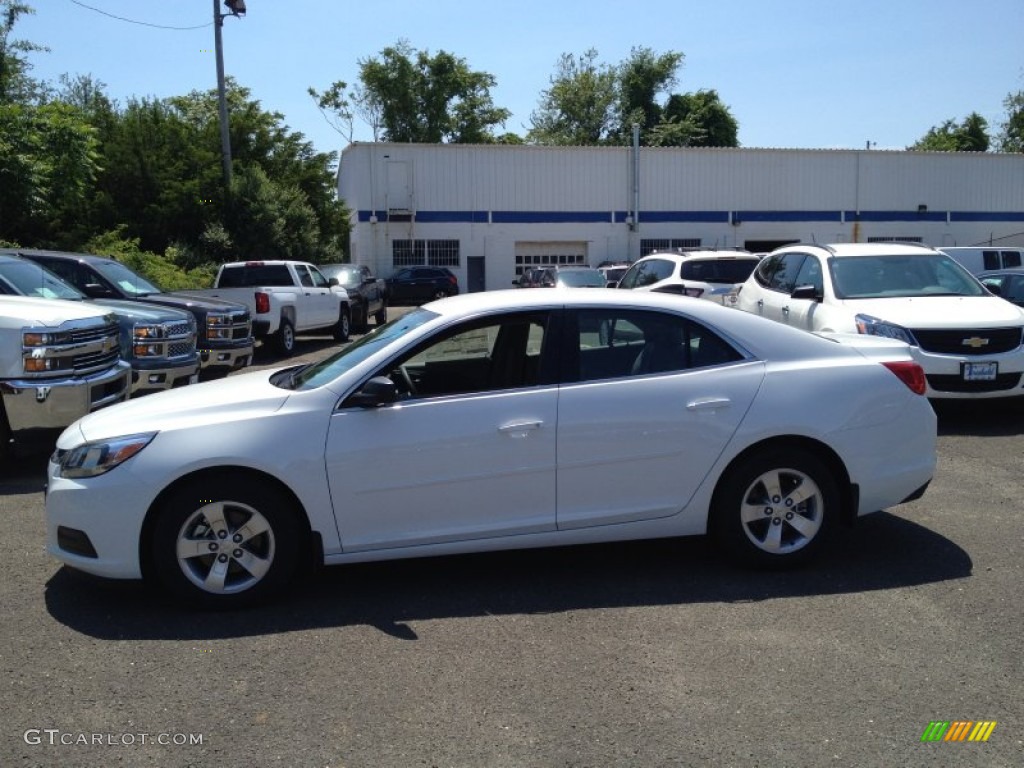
x=56 y=403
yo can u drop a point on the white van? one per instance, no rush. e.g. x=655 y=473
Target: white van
x=978 y=260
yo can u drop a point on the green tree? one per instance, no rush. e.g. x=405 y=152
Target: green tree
x=1011 y=134
x=422 y=98
x=641 y=79
x=15 y=84
x=705 y=122
x=579 y=106
x=971 y=135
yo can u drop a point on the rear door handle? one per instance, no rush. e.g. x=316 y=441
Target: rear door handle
x=708 y=403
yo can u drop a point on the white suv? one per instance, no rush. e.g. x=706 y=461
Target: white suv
x=968 y=341
x=701 y=274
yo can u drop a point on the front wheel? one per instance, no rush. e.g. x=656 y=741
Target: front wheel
x=775 y=509
x=440 y=293
x=226 y=544
x=343 y=328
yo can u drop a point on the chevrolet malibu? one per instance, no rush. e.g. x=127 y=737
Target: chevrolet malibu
x=498 y=420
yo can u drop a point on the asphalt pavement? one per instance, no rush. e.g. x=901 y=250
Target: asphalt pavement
x=642 y=654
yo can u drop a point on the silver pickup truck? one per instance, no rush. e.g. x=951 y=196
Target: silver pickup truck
x=59 y=360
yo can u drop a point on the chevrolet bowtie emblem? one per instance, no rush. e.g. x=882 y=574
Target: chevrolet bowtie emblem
x=974 y=342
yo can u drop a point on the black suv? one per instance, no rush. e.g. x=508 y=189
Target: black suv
x=414 y=285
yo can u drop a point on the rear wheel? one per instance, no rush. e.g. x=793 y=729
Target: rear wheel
x=775 y=509
x=440 y=293
x=284 y=339
x=226 y=544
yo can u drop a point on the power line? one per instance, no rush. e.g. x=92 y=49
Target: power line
x=142 y=23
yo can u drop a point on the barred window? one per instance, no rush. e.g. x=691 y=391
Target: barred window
x=650 y=245
x=436 y=253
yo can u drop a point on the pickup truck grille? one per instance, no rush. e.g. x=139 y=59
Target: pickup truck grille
x=95 y=361
x=238 y=326
x=181 y=348
x=976 y=341
x=82 y=348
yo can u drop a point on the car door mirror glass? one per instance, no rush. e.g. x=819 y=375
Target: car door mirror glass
x=806 y=292
x=378 y=391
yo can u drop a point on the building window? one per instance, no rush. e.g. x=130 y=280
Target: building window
x=651 y=245
x=435 y=253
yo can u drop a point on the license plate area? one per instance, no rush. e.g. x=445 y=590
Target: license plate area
x=979 y=371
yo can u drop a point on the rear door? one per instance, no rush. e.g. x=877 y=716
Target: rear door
x=649 y=402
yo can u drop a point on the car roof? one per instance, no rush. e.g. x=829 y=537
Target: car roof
x=699 y=255
x=1003 y=271
x=91 y=258
x=842 y=250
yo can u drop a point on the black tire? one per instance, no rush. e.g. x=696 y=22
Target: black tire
x=343 y=328
x=381 y=316
x=226 y=570
x=775 y=509
x=440 y=293
x=5 y=434
x=284 y=339
x=361 y=320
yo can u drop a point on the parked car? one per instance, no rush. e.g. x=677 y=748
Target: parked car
x=967 y=340
x=572 y=277
x=979 y=259
x=1007 y=283
x=367 y=294
x=415 y=285
x=283 y=298
x=224 y=328
x=613 y=272
x=158 y=342
x=529 y=278
x=702 y=274
x=59 y=360
x=495 y=437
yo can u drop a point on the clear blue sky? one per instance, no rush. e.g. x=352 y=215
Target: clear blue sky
x=799 y=73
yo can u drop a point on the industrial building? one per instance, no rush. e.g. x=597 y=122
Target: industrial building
x=487 y=211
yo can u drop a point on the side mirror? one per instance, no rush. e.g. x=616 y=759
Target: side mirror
x=994 y=288
x=333 y=281
x=97 y=291
x=378 y=391
x=806 y=292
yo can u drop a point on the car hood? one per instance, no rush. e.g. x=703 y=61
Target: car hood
x=49 y=313
x=139 y=310
x=181 y=301
x=926 y=312
x=221 y=401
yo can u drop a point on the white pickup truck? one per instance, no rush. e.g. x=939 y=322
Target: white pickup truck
x=284 y=298
x=59 y=360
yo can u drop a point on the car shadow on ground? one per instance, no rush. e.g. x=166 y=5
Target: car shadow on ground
x=983 y=418
x=884 y=551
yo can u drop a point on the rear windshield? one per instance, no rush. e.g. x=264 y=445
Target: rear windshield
x=247 y=276
x=718 y=270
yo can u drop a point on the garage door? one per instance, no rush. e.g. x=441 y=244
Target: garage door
x=549 y=253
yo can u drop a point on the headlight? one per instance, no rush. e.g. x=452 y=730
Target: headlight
x=37 y=339
x=148 y=350
x=91 y=459
x=872 y=326
x=149 y=332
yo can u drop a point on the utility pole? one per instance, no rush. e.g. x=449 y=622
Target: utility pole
x=235 y=8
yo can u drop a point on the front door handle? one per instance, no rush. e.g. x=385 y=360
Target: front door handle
x=708 y=403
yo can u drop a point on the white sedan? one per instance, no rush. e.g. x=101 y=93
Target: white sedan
x=498 y=420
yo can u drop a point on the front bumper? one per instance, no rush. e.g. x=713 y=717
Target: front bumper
x=225 y=359
x=149 y=377
x=55 y=403
x=945 y=375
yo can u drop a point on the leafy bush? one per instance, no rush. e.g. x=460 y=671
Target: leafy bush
x=163 y=271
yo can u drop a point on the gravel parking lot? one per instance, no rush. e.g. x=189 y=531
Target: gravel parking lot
x=646 y=654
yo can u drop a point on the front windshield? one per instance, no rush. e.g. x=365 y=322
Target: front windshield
x=884 y=277
x=348 y=357
x=347 y=277
x=30 y=279
x=129 y=282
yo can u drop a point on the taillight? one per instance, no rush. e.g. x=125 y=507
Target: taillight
x=262 y=302
x=910 y=373
x=452 y=280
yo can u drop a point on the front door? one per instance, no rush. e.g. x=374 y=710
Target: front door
x=468 y=453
